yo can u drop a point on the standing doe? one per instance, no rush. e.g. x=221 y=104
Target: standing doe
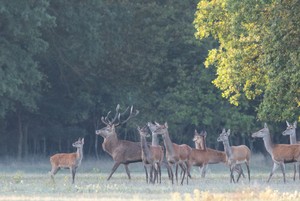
x=152 y=156
x=68 y=160
x=291 y=131
x=280 y=153
x=175 y=154
x=214 y=156
x=235 y=154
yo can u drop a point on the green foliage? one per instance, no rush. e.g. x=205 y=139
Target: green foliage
x=257 y=55
x=76 y=60
x=20 y=41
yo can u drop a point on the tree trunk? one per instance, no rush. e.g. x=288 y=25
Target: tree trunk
x=35 y=146
x=96 y=147
x=59 y=145
x=44 y=146
x=25 y=141
x=21 y=135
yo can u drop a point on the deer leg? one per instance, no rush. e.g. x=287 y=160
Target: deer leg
x=146 y=171
x=298 y=169
x=54 y=170
x=275 y=166
x=238 y=168
x=188 y=169
x=184 y=169
x=127 y=171
x=73 y=172
x=295 y=170
x=171 y=173
x=155 y=172
x=248 y=169
x=203 y=170
x=116 y=165
x=159 y=172
x=231 y=173
x=176 y=173
x=282 y=166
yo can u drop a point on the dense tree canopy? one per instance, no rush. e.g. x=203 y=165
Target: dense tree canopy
x=64 y=64
x=258 y=54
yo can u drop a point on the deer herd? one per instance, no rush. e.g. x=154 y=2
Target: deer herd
x=153 y=156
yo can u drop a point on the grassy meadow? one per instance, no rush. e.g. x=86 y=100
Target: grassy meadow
x=31 y=181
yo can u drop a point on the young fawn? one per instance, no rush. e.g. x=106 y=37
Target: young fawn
x=68 y=160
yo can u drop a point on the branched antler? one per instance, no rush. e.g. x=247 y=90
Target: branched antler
x=118 y=115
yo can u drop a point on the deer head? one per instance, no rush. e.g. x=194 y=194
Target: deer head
x=115 y=121
x=291 y=128
x=224 y=135
x=199 y=137
x=262 y=132
x=160 y=129
x=143 y=131
x=152 y=126
x=79 y=143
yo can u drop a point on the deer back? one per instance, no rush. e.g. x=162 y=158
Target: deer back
x=216 y=156
x=63 y=160
x=183 y=151
x=241 y=153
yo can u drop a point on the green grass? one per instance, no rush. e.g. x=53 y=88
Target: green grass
x=31 y=181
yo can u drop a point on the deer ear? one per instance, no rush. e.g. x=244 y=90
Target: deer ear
x=82 y=140
x=166 y=125
x=295 y=124
x=156 y=123
x=228 y=132
x=196 y=131
x=287 y=123
x=223 y=131
x=205 y=133
x=266 y=126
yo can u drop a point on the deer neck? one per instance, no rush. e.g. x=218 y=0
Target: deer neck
x=293 y=139
x=203 y=144
x=198 y=145
x=79 y=155
x=110 y=143
x=145 y=148
x=268 y=143
x=155 y=141
x=227 y=148
x=168 y=143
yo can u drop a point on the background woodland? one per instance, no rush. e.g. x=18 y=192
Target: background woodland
x=203 y=65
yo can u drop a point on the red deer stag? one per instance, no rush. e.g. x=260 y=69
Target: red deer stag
x=68 y=160
x=291 y=131
x=235 y=154
x=175 y=154
x=280 y=153
x=151 y=155
x=215 y=156
x=122 y=151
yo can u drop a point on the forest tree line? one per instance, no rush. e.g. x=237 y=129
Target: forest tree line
x=64 y=64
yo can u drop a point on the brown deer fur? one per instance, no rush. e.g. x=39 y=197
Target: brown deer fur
x=68 y=160
x=235 y=154
x=175 y=154
x=280 y=153
x=215 y=156
x=291 y=131
x=122 y=151
x=151 y=155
